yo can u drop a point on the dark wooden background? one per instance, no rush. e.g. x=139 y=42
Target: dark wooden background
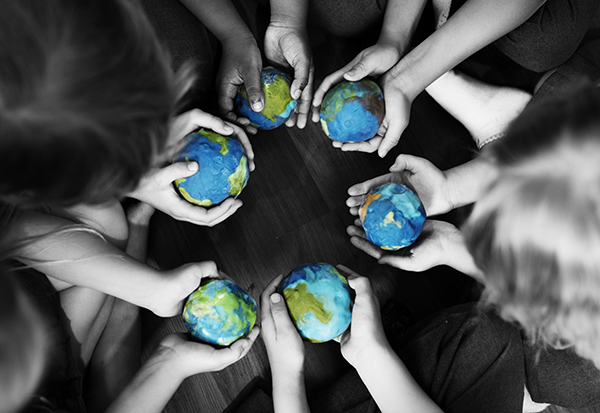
x=294 y=212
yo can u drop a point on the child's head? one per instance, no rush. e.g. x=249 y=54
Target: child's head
x=86 y=97
x=22 y=344
x=535 y=233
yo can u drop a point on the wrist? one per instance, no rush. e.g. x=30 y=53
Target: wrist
x=371 y=358
x=164 y=361
x=285 y=20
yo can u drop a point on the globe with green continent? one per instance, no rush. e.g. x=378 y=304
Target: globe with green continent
x=219 y=312
x=279 y=104
x=319 y=301
x=222 y=168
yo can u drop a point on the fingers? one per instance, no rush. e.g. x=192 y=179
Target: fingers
x=265 y=303
x=347 y=272
x=395 y=127
x=325 y=85
x=303 y=72
x=368 y=146
x=242 y=346
x=184 y=211
x=364 y=187
x=304 y=105
x=358 y=239
x=243 y=139
x=409 y=163
x=279 y=313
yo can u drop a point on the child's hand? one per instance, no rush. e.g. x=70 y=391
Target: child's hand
x=287 y=45
x=440 y=243
x=156 y=189
x=284 y=345
x=195 y=119
x=366 y=331
x=241 y=64
x=188 y=358
x=373 y=61
x=428 y=182
x=176 y=285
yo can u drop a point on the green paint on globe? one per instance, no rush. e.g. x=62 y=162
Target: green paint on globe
x=302 y=302
x=220 y=312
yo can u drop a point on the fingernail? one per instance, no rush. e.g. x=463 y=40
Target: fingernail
x=257 y=106
x=228 y=128
x=192 y=166
x=275 y=298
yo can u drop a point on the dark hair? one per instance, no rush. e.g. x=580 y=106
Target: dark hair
x=86 y=98
x=535 y=233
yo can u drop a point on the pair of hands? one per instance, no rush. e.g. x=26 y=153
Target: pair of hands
x=286 y=45
x=438 y=241
x=375 y=61
x=156 y=188
x=284 y=345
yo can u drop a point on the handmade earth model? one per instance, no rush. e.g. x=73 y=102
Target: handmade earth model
x=279 y=104
x=352 y=111
x=392 y=216
x=222 y=168
x=319 y=301
x=219 y=312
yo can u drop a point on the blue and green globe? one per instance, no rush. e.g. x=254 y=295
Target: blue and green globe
x=279 y=104
x=319 y=301
x=219 y=312
x=222 y=168
x=392 y=216
x=352 y=111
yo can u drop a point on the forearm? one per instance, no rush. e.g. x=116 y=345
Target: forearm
x=467 y=182
x=290 y=11
x=220 y=17
x=400 y=21
x=150 y=390
x=391 y=385
x=81 y=257
x=289 y=392
x=475 y=25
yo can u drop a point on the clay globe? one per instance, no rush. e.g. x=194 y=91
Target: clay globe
x=279 y=104
x=222 y=168
x=319 y=301
x=352 y=111
x=219 y=312
x=392 y=216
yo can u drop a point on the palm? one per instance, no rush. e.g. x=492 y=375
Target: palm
x=285 y=46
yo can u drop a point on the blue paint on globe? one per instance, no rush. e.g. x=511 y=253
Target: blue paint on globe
x=352 y=111
x=319 y=301
x=219 y=312
x=279 y=104
x=222 y=168
x=392 y=216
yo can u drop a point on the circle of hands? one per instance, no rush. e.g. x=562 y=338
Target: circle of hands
x=287 y=46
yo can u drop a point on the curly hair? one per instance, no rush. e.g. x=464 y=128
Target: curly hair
x=535 y=233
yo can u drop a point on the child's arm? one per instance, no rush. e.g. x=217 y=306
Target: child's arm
x=173 y=361
x=287 y=45
x=475 y=25
x=365 y=347
x=79 y=256
x=286 y=352
x=241 y=62
x=440 y=243
x=439 y=191
x=399 y=23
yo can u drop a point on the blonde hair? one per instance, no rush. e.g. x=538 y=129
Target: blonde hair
x=535 y=233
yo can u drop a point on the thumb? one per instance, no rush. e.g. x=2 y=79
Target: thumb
x=178 y=170
x=357 y=72
x=254 y=90
x=279 y=312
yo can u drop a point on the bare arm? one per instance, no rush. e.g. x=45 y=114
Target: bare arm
x=400 y=21
x=475 y=25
